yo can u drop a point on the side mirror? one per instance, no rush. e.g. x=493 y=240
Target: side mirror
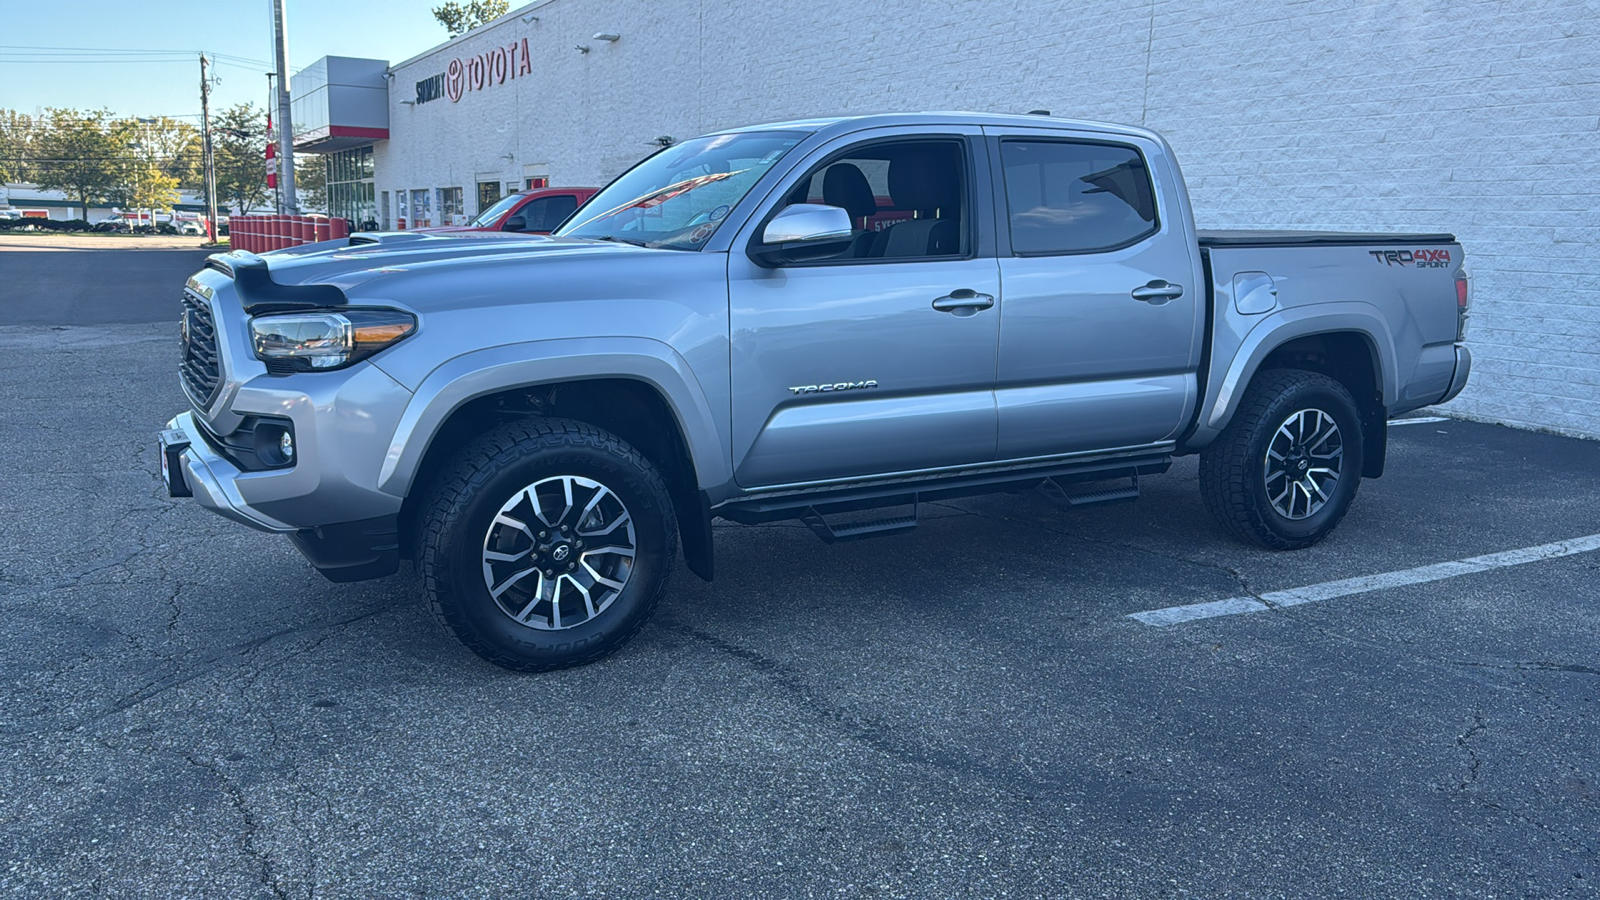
x=515 y=223
x=801 y=232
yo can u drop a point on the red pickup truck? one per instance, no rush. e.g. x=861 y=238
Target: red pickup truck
x=537 y=211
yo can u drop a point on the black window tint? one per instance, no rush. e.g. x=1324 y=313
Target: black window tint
x=546 y=213
x=1075 y=198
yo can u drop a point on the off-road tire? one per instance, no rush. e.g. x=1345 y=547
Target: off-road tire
x=1233 y=469
x=493 y=471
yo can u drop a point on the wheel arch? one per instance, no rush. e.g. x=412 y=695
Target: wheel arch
x=643 y=398
x=1347 y=341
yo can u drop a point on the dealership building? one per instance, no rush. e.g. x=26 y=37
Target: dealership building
x=1481 y=119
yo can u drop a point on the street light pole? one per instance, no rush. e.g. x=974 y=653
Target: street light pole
x=285 y=125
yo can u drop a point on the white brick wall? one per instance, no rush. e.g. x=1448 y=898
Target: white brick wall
x=1478 y=118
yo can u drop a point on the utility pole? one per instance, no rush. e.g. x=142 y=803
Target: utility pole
x=208 y=158
x=285 y=125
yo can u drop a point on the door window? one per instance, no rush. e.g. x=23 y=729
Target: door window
x=450 y=207
x=544 y=214
x=1068 y=197
x=906 y=199
x=421 y=209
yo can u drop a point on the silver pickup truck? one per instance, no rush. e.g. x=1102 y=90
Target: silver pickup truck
x=803 y=320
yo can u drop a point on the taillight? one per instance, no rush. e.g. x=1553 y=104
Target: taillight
x=1463 y=303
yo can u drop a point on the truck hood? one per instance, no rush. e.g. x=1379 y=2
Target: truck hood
x=375 y=256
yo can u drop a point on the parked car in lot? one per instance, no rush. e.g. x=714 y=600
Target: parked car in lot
x=738 y=327
x=537 y=211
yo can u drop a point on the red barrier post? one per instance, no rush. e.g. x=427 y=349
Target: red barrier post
x=338 y=228
x=323 y=230
x=305 y=229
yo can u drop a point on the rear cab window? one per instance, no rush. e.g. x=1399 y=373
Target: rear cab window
x=1065 y=197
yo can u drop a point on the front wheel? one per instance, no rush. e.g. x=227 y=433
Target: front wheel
x=1285 y=470
x=548 y=544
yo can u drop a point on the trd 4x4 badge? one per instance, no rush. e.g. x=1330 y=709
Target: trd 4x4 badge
x=1422 y=259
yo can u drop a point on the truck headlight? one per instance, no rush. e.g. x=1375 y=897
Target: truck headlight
x=314 y=342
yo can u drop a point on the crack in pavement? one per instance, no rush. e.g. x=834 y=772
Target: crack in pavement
x=236 y=797
x=1464 y=741
x=874 y=736
x=242 y=650
x=1538 y=666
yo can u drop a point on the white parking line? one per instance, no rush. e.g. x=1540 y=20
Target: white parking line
x=1328 y=590
x=1421 y=420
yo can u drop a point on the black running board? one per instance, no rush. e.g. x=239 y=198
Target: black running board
x=1070 y=495
x=855 y=531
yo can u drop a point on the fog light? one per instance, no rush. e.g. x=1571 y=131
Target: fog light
x=286 y=446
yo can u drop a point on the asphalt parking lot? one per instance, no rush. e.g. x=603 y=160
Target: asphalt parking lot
x=968 y=710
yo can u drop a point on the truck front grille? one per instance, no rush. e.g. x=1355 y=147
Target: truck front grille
x=201 y=369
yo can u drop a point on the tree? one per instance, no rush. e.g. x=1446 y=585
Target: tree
x=82 y=152
x=311 y=182
x=460 y=18
x=146 y=187
x=162 y=155
x=174 y=147
x=239 y=143
x=17 y=131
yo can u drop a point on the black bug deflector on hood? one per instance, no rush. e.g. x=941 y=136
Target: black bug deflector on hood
x=258 y=293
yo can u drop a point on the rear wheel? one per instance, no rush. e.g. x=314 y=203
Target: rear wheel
x=547 y=544
x=1285 y=470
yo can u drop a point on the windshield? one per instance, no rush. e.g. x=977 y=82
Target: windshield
x=487 y=217
x=680 y=196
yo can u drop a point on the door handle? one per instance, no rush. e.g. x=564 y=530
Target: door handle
x=1158 y=292
x=963 y=302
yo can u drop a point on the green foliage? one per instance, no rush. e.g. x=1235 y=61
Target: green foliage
x=81 y=152
x=17 y=132
x=311 y=182
x=174 y=147
x=462 y=17
x=146 y=187
x=239 y=144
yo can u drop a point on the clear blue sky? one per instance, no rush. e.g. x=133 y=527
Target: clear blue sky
x=144 y=83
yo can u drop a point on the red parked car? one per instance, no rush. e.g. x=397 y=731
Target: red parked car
x=537 y=211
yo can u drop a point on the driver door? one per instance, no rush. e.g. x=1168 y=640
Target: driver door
x=861 y=364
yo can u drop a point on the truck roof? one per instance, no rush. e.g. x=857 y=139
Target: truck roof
x=845 y=124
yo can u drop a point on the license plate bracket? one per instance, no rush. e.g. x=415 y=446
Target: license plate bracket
x=172 y=443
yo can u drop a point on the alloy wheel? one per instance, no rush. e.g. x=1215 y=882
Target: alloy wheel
x=559 y=552
x=1303 y=463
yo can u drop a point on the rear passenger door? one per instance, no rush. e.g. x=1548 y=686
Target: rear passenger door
x=1101 y=316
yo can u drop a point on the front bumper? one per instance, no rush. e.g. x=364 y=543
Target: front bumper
x=209 y=477
x=346 y=551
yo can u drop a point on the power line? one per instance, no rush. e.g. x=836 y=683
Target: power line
x=132 y=50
